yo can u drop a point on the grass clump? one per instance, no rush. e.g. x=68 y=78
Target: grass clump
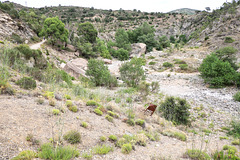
x=229 y=40
x=47 y=151
x=130 y=122
x=140 y=122
x=67 y=96
x=141 y=139
x=126 y=148
x=236 y=97
x=234 y=129
x=236 y=142
x=40 y=101
x=109 y=118
x=92 y=103
x=112 y=114
x=87 y=155
x=151 y=63
x=103 y=138
x=73 y=109
x=98 y=112
x=27 y=83
x=167 y=65
x=48 y=95
x=25 y=155
x=183 y=66
x=72 y=137
x=69 y=103
x=84 y=124
x=56 y=112
x=112 y=138
x=102 y=149
x=178 y=135
x=179 y=61
x=197 y=154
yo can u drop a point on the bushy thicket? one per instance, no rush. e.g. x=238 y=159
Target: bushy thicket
x=176 y=110
x=99 y=74
x=219 y=68
x=132 y=72
x=27 y=83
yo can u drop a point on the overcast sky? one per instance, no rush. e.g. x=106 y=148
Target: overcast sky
x=143 y=5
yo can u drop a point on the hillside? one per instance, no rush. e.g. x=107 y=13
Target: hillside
x=187 y=11
x=86 y=89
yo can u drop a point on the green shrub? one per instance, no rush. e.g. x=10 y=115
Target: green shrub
x=197 y=154
x=235 y=129
x=217 y=72
x=132 y=72
x=129 y=100
x=131 y=122
x=140 y=122
x=67 y=96
x=183 y=66
x=152 y=63
x=229 y=40
x=236 y=142
x=103 y=149
x=5 y=88
x=112 y=114
x=141 y=139
x=98 y=112
x=228 y=54
x=179 y=135
x=48 y=95
x=92 y=103
x=126 y=148
x=25 y=155
x=99 y=74
x=109 y=118
x=69 y=103
x=236 y=97
x=47 y=151
x=27 y=83
x=73 y=108
x=176 y=110
x=87 y=156
x=103 y=138
x=72 y=137
x=112 y=138
x=167 y=65
x=56 y=111
x=84 y=124
x=117 y=100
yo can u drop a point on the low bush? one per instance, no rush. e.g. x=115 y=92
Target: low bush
x=92 y=103
x=52 y=102
x=73 y=109
x=103 y=138
x=55 y=111
x=183 y=66
x=176 y=110
x=126 y=148
x=179 y=61
x=236 y=97
x=102 y=149
x=234 y=129
x=229 y=40
x=27 y=83
x=140 y=122
x=47 y=151
x=109 y=118
x=98 y=112
x=236 y=142
x=87 y=156
x=179 y=135
x=131 y=122
x=151 y=63
x=112 y=138
x=72 y=137
x=141 y=139
x=197 y=154
x=84 y=124
x=25 y=155
x=112 y=114
x=68 y=97
x=69 y=103
x=167 y=65
x=48 y=95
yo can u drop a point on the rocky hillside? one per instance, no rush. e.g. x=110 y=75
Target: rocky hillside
x=185 y=11
x=14 y=30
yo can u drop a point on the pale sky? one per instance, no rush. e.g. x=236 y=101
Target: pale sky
x=143 y=5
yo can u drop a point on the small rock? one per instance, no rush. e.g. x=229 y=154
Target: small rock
x=58 y=97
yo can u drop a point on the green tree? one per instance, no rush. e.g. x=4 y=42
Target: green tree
x=122 y=40
x=217 y=72
x=99 y=73
x=132 y=72
x=87 y=32
x=228 y=54
x=54 y=30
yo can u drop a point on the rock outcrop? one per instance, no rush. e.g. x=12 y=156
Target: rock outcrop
x=76 y=67
x=138 y=49
x=10 y=27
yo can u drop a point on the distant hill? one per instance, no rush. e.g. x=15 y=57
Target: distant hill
x=187 y=11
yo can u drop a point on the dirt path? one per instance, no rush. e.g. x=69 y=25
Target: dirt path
x=37 y=45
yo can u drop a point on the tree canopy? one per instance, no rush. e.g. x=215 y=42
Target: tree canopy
x=87 y=32
x=54 y=30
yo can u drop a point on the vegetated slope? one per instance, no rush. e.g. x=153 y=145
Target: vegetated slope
x=187 y=11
